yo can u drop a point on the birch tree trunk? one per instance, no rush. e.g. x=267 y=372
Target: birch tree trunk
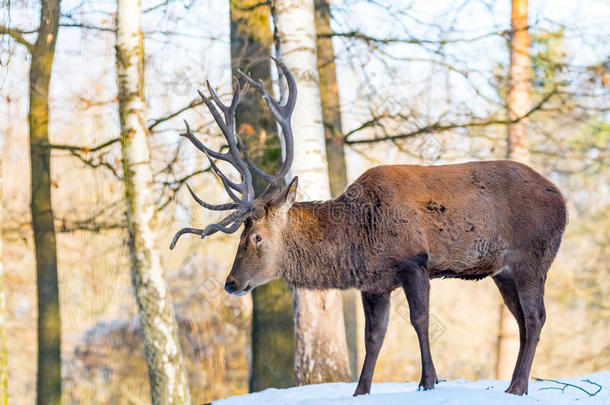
x=518 y=105
x=168 y=380
x=48 y=386
x=3 y=359
x=321 y=350
x=335 y=154
x=272 y=325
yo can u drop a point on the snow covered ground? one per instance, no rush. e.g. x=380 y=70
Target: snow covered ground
x=484 y=392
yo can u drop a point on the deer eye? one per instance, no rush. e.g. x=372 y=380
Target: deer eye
x=258 y=238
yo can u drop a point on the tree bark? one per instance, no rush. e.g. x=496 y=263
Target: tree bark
x=518 y=104
x=335 y=153
x=168 y=380
x=49 y=326
x=321 y=350
x=519 y=94
x=329 y=95
x=3 y=359
x=272 y=326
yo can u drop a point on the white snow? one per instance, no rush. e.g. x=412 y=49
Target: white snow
x=484 y=392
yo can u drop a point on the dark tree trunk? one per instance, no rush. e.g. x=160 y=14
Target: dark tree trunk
x=49 y=326
x=329 y=93
x=335 y=154
x=273 y=343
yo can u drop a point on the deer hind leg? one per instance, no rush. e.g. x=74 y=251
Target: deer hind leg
x=508 y=289
x=376 y=314
x=530 y=289
x=416 y=284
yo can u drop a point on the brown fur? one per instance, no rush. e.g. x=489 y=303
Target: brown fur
x=399 y=226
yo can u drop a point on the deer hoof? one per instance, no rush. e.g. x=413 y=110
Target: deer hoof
x=361 y=391
x=427 y=382
x=517 y=388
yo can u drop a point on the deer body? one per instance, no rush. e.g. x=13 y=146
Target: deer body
x=464 y=221
x=396 y=226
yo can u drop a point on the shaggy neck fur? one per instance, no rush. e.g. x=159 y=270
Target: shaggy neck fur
x=339 y=231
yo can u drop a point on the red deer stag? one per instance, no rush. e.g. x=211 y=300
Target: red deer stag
x=396 y=226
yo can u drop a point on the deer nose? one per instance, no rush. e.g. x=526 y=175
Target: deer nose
x=230 y=287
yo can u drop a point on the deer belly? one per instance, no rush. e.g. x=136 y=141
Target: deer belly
x=472 y=261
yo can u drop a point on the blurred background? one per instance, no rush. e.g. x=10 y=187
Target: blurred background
x=409 y=81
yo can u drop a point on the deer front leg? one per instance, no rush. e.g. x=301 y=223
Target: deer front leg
x=376 y=313
x=416 y=284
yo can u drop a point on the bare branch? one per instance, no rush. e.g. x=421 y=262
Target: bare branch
x=169 y=116
x=84 y=149
x=416 y=41
x=17 y=35
x=438 y=127
x=87 y=27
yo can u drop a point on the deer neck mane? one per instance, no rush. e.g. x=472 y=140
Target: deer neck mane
x=317 y=252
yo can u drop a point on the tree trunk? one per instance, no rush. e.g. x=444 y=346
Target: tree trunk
x=519 y=94
x=3 y=359
x=335 y=154
x=272 y=326
x=321 y=350
x=329 y=95
x=168 y=381
x=49 y=325
x=518 y=104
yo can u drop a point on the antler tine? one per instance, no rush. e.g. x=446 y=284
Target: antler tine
x=282 y=114
x=238 y=94
x=228 y=225
x=199 y=145
x=286 y=113
x=213 y=207
x=292 y=85
x=227 y=128
x=212 y=108
x=215 y=97
x=182 y=232
x=219 y=173
x=250 y=163
x=213 y=228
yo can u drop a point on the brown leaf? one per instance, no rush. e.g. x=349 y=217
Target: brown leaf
x=246 y=129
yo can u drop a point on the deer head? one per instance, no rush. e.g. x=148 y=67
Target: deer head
x=263 y=216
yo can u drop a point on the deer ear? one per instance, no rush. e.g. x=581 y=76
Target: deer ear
x=287 y=196
x=290 y=191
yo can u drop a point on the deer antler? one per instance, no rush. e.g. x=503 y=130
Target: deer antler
x=282 y=114
x=243 y=203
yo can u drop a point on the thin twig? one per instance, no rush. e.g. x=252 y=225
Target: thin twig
x=565 y=385
x=169 y=116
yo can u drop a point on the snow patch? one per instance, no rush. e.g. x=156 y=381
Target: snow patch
x=458 y=392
